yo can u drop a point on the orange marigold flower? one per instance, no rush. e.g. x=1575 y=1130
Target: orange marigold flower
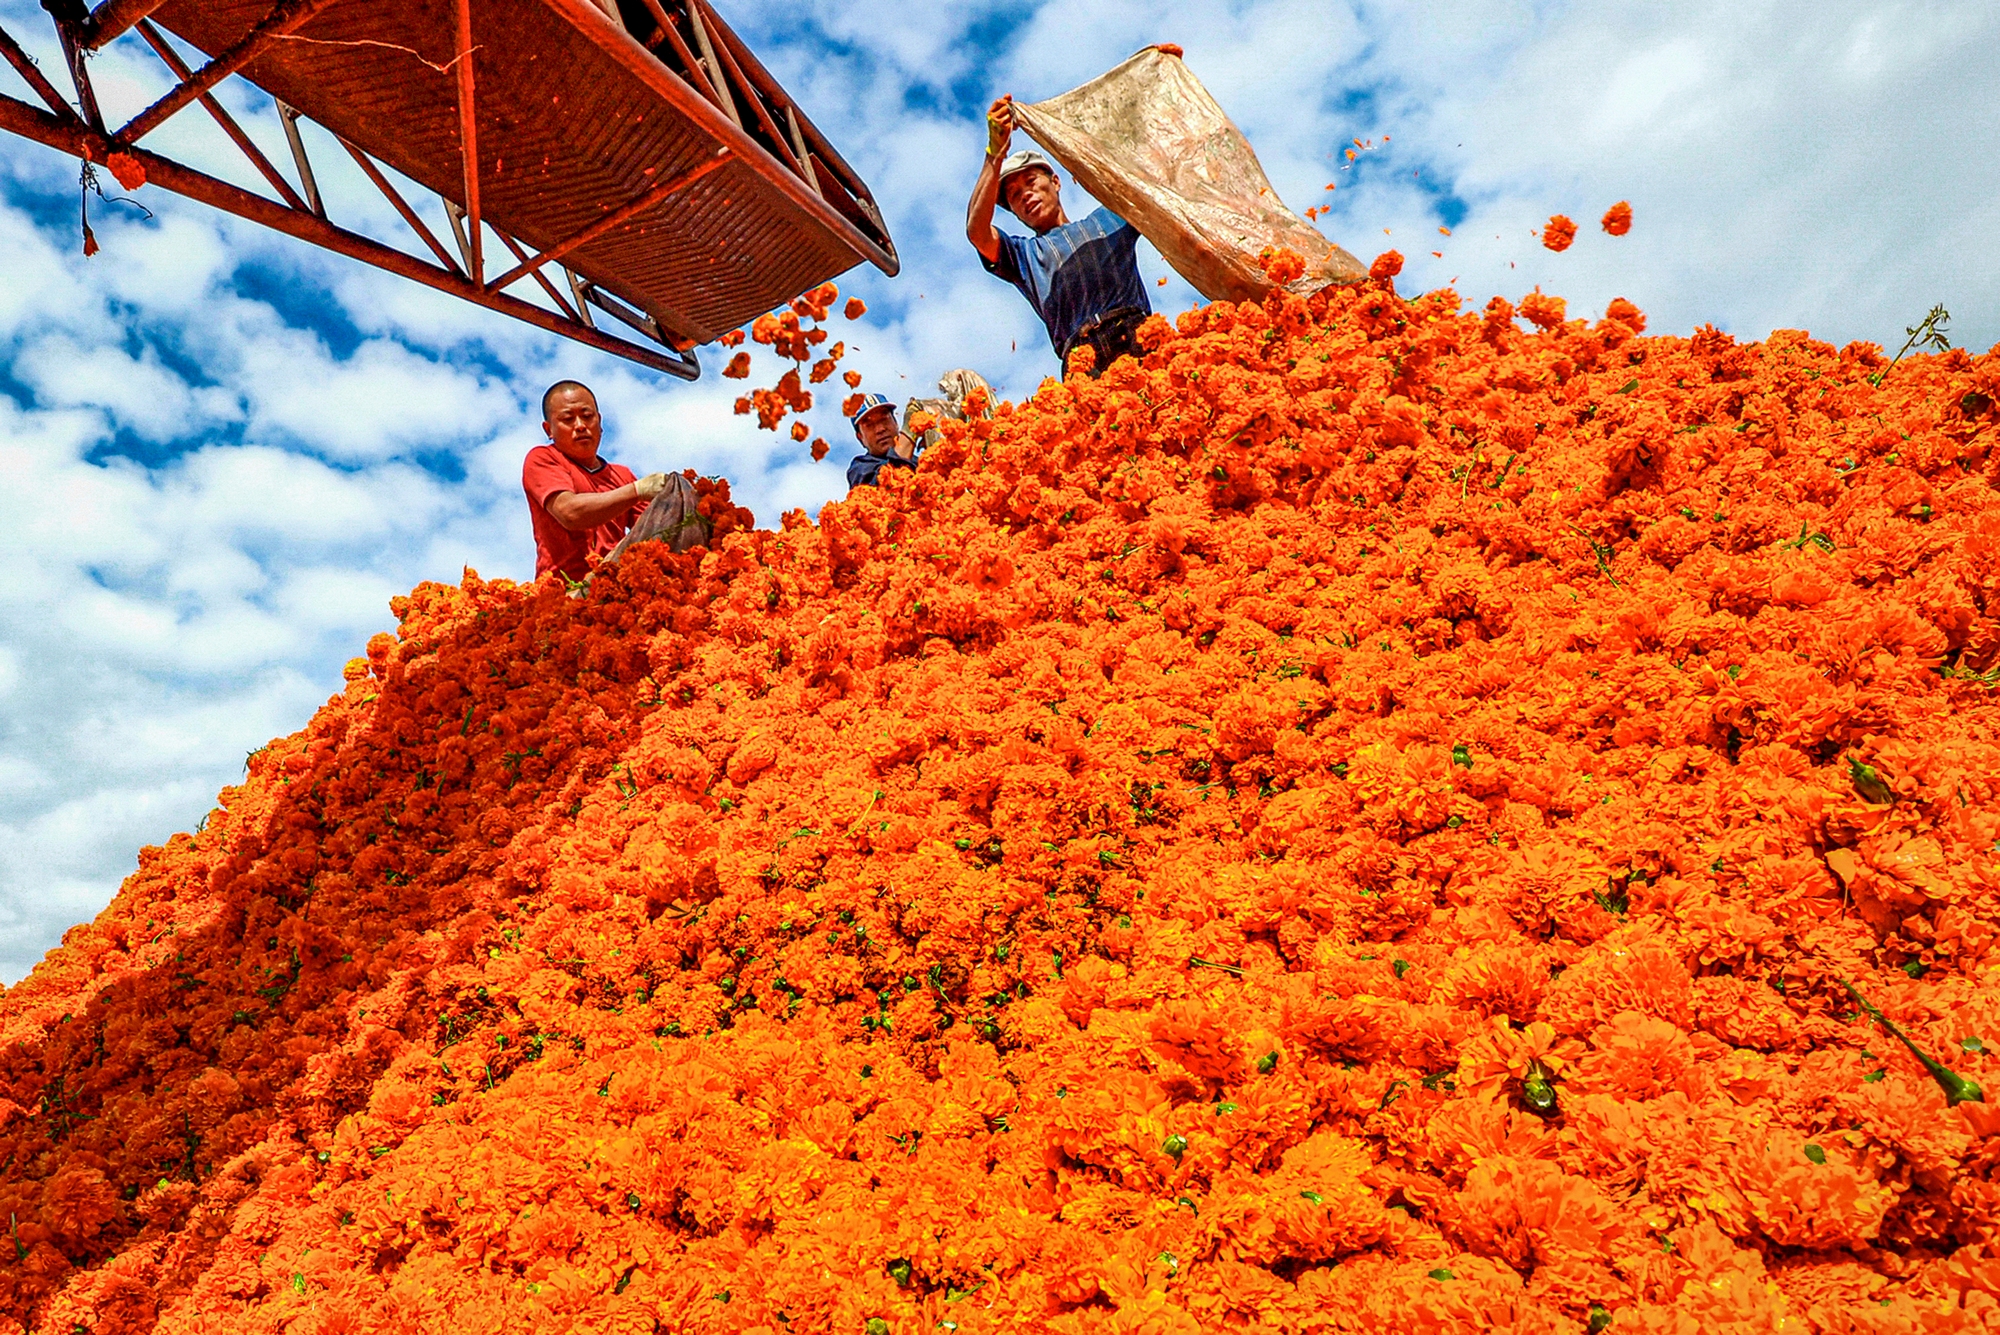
x=1626 y=313
x=739 y=367
x=1387 y=265
x=1543 y=311
x=1618 y=218
x=1282 y=266
x=1559 y=233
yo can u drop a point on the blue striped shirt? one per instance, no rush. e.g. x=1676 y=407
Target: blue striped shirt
x=1074 y=273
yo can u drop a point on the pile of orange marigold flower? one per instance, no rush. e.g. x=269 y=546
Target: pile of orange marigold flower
x=1373 y=818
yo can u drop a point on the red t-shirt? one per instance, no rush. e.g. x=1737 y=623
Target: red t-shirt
x=546 y=472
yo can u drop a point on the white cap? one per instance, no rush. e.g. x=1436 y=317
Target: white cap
x=1016 y=163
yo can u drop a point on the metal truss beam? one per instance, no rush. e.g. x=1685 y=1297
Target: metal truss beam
x=68 y=134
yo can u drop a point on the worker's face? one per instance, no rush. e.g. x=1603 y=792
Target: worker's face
x=574 y=426
x=1035 y=196
x=877 y=429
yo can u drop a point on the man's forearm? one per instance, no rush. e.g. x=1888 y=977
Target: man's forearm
x=577 y=511
x=979 y=214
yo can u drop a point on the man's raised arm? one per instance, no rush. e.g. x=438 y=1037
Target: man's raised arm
x=986 y=191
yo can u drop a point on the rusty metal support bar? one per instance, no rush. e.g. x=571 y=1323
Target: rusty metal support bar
x=468 y=140
x=79 y=141
x=715 y=74
x=222 y=118
x=79 y=76
x=615 y=219
x=32 y=75
x=307 y=181
x=618 y=310
x=750 y=91
x=799 y=149
x=111 y=19
x=409 y=215
x=850 y=180
x=672 y=34
x=540 y=277
x=456 y=217
x=281 y=22
x=576 y=288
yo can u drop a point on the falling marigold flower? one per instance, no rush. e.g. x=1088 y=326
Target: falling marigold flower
x=1387 y=265
x=852 y=379
x=819 y=449
x=855 y=308
x=1559 y=233
x=800 y=431
x=739 y=366
x=130 y=172
x=1618 y=218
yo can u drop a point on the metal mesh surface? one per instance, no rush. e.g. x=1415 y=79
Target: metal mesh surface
x=573 y=121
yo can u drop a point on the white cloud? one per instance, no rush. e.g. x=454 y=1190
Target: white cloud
x=302 y=421
x=137 y=392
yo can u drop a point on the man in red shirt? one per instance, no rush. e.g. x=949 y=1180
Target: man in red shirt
x=580 y=504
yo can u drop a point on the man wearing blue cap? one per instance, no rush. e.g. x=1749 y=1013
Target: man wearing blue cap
x=874 y=421
x=1082 y=278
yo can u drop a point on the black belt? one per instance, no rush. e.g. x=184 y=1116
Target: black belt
x=1100 y=323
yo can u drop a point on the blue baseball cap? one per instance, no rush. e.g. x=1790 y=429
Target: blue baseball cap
x=869 y=403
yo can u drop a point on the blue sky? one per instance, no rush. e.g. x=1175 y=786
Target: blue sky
x=227 y=451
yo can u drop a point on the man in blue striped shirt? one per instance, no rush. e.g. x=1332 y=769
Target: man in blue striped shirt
x=1082 y=277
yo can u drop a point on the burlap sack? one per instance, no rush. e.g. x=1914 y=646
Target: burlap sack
x=1149 y=142
x=955 y=387
x=672 y=518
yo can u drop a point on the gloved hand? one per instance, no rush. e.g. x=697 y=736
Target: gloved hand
x=650 y=485
x=999 y=126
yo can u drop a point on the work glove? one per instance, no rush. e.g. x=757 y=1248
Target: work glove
x=999 y=127
x=650 y=485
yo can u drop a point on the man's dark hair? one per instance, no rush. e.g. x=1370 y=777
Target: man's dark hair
x=560 y=385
